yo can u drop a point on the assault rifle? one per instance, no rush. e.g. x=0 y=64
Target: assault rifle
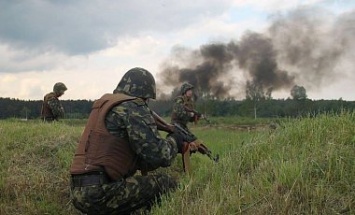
x=200 y=147
x=191 y=144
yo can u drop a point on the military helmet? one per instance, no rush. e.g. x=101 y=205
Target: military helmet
x=59 y=87
x=185 y=87
x=137 y=82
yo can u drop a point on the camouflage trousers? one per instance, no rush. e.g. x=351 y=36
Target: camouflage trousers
x=122 y=197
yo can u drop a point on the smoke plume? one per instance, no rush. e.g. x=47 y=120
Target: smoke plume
x=304 y=47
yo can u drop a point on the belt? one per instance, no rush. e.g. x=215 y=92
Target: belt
x=89 y=179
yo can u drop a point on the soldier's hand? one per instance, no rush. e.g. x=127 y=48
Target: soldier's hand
x=193 y=147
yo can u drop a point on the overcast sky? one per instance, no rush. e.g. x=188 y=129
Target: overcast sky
x=90 y=44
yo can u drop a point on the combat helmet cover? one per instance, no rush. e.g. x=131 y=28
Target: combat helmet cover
x=137 y=82
x=59 y=87
x=185 y=87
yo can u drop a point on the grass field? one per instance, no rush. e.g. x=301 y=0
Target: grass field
x=304 y=166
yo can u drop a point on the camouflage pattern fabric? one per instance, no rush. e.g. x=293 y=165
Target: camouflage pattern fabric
x=137 y=82
x=59 y=88
x=132 y=121
x=185 y=87
x=182 y=116
x=122 y=197
x=54 y=105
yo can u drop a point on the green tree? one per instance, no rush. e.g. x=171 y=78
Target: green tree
x=298 y=93
x=255 y=92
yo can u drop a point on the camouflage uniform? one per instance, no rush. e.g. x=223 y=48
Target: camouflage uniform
x=52 y=109
x=122 y=197
x=131 y=121
x=180 y=114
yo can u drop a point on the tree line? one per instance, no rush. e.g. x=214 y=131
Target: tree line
x=31 y=109
x=256 y=108
x=262 y=108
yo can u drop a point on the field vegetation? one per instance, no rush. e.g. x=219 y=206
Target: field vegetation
x=300 y=166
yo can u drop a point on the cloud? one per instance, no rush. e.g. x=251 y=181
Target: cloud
x=78 y=27
x=90 y=44
x=275 y=5
x=87 y=77
x=18 y=60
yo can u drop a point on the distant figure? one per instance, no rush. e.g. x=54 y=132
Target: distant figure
x=52 y=109
x=183 y=109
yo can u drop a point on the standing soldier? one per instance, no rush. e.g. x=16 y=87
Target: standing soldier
x=183 y=112
x=120 y=138
x=183 y=109
x=52 y=109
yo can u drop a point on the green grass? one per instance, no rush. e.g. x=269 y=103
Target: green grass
x=304 y=166
x=34 y=172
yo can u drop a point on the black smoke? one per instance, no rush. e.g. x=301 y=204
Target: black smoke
x=305 y=46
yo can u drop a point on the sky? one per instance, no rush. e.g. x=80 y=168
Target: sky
x=223 y=45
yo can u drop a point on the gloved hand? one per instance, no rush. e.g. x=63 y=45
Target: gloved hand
x=179 y=139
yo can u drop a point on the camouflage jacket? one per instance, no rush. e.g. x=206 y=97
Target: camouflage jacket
x=52 y=107
x=179 y=112
x=133 y=121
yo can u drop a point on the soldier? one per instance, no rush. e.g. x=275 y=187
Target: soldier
x=183 y=109
x=183 y=112
x=120 y=138
x=52 y=109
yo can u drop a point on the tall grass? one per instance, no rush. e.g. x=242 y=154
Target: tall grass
x=305 y=166
x=34 y=163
